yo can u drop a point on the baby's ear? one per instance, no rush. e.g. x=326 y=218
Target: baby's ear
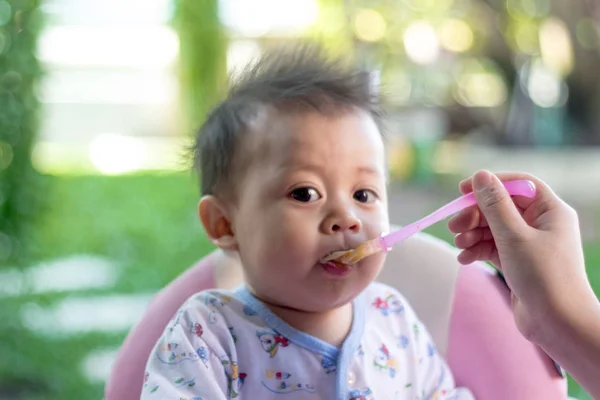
x=215 y=219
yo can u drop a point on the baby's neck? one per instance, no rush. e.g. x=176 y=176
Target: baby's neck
x=331 y=326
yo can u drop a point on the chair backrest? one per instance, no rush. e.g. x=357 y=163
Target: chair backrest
x=480 y=342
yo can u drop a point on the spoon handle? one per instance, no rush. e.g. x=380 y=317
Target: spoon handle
x=515 y=188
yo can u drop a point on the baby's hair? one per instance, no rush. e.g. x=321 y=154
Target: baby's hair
x=295 y=79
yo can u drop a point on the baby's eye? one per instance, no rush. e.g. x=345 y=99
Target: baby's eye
x=305 y=195
x=365 y=196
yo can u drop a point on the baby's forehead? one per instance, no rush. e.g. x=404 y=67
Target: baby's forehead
x=299 y=127
x=290 y=138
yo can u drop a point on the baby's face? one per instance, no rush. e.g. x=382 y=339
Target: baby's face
x=318 y=186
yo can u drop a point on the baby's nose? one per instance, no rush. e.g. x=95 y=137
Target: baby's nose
x=341 y=223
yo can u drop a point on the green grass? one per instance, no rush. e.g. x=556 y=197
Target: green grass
x=145 y=223
x=148 y=223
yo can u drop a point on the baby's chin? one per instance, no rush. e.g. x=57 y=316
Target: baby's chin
x=318 y=288
x=309 y=297
x=338 y=291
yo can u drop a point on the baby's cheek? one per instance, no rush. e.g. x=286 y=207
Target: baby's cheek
x=383 y=226
x=275 y=241
x=292 y=245
x=377 y=260
x=378 y=226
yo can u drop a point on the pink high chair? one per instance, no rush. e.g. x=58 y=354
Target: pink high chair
x=465 y=308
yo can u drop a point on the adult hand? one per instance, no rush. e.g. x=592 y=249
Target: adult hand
x=535 y=242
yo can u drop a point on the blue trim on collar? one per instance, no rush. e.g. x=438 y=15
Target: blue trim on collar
x=342 y=356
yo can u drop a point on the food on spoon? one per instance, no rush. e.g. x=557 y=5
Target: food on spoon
x=352 y=256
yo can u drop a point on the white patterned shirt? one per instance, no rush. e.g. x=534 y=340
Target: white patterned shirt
x=229 y=345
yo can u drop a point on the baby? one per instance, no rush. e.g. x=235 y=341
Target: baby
x=293 y=168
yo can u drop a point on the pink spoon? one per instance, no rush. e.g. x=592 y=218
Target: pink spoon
x=384 y=243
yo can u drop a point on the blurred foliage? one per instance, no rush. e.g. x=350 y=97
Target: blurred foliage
x=521 y=71
x=332 y=29
x=20 y=24
x=20 y=185
x=145 y=224
x=202 y=59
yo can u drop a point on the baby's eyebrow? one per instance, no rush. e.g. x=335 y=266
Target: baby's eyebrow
x=304 y=166
x=372 y=171
x=368 y=170
x=301 y=166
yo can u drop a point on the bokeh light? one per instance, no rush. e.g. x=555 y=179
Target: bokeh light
x=6 y=155
x=275 y=17
x=481 y=89
x=421 y=5
x=456 y=35
x=116 y=46
x=528 y=8
x=526 y=37
x=544 y=86
x=421 y=42
x=116 y=154
x=478 y=84
x=241 y=53
x=5 y=12
x=555 y=46
x=369 y=25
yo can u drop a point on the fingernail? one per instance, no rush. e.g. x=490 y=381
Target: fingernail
x=481 y=180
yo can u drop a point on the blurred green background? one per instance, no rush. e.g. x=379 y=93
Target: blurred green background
x=99 y=99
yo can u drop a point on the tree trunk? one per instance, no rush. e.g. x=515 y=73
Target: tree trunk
x=20 y=72
x=202 y=59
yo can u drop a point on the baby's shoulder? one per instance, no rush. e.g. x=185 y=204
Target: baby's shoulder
x=211 y=298
x=217 y=310
x=210 y=304
x=214 y=317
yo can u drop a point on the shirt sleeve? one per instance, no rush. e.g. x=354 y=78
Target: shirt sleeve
x=187 y=361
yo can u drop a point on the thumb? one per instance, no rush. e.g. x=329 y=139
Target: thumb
x=496 y=205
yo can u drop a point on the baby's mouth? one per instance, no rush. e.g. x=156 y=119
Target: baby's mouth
x=335 y=256
x=331 y=260
x=336 y=268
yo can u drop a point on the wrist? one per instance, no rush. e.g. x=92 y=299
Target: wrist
x=571 y=339
x=566 y=317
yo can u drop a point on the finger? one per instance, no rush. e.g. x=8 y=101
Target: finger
x=466 y=220
x=466 y=185
x=482 y=251
x=494 y=201
x=471 y=238
x=544 y=193
x=522 y=202
x=471 y=218
x=537 y=209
